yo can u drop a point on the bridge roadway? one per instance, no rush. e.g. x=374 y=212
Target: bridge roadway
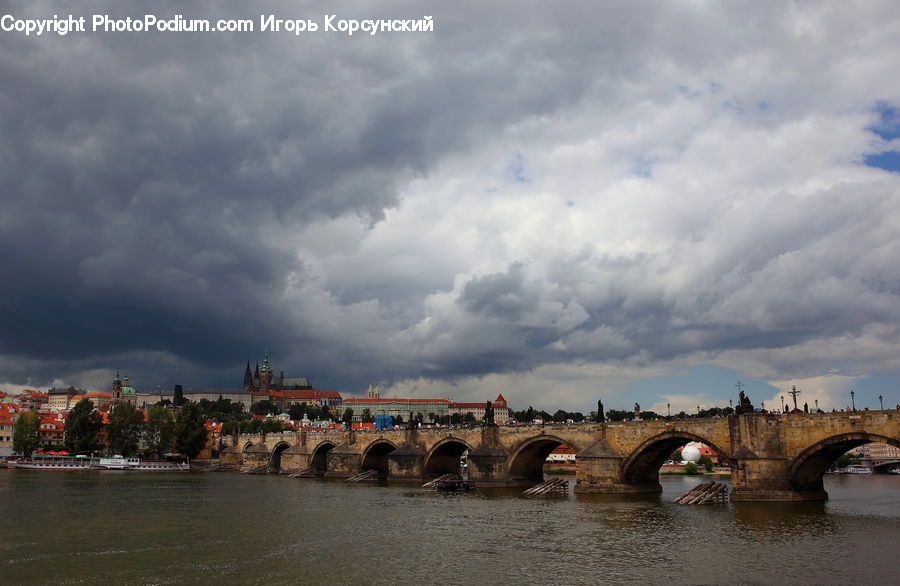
x=775 y=457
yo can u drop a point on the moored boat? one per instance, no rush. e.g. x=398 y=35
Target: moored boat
x=453 y=484
x=56 y=462
x=855 y=469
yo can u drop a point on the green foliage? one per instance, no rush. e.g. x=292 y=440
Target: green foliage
x=707 y=462
x=297 y=411
x=272 y=425
x=618 y=415
x=562 y=416
x=190 y=433
x=367 y=416
x=843 y=461
x=252 y=426
x=264 y=408
x=159 y=431
x=676 y=456
x=124 y=429
x=222 y=409
x=348 y=416
x=27 y=437
x=83 y=426
x=691 y=469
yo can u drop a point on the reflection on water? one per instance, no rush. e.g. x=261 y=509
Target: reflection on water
x=76 y=527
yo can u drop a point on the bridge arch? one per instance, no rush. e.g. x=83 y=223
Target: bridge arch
x=443 y=458
x=247 y=446
x=808 y=468
x=318 y=459
x=376 y=457
x=275 y=456
x=526 y=462
x=641 y=468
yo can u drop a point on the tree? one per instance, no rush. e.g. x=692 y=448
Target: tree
x=272 y=425
x=296 y=411
x=263 y=408
x=367 y=416
x=83 y=426
x=190 y=430
x=27 y=437
x=618 y=415
x=159 y=430
x=124 y=429
x=707 y=462
x=348 y=416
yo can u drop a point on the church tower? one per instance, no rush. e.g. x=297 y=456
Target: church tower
x=265 y=374
x=117 y=389
x=248 y=378
x=373 y=392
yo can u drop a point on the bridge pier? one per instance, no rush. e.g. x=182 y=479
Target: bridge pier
x=255 y=456
x=760 y=467
x=766 y=479
x=231 y=456
x=407 y=463
x=295 y=458
x=488 y=462
x=344 y=461
x=598 y=469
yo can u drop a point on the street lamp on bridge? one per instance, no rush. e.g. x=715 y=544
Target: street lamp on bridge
x=782 y=402
x=881 y=402
x=852 y=400
x=668 y=409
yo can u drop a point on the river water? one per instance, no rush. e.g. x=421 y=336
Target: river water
x=225 y=528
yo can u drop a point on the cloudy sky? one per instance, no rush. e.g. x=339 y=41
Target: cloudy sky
x=633 y=201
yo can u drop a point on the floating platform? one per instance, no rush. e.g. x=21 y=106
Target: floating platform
x=552 y=486
x=703 y=494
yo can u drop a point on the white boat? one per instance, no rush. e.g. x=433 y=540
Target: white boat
x=856 y=469
x=47 y=462
x=120 y=463
x=53 y=462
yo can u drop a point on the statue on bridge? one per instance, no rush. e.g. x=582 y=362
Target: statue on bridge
x=600 y=415
x=489 y=415
x=637 y=412
x=744 y=405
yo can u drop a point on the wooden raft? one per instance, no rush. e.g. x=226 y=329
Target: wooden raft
x=442 y=478
x=706 y=493
x=552 y=486
x=364 y=476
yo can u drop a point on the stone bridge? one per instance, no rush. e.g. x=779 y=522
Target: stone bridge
x=775 y=457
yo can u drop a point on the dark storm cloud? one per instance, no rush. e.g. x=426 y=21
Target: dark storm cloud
x=142 y=173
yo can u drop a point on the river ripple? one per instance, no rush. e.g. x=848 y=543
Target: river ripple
x=209 y=528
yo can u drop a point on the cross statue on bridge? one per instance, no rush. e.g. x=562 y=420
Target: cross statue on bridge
x=794 y=392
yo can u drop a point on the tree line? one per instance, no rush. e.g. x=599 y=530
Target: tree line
x=125 y=429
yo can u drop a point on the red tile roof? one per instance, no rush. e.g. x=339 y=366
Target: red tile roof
x=388 y=399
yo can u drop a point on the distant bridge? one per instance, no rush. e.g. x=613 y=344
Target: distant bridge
x=777 y=457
